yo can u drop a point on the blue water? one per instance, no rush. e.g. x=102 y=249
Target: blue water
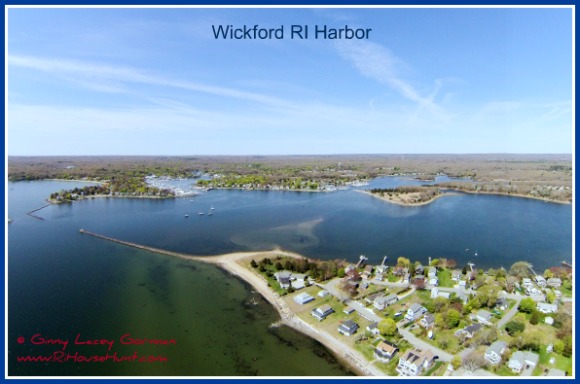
x=61 y=282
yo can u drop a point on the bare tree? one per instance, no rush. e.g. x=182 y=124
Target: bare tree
x=473 y=361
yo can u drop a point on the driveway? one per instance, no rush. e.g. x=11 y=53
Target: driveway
x=418 y=343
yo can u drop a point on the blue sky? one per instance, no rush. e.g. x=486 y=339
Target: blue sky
x=157 y=82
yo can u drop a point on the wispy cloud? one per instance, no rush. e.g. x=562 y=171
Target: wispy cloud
x=378 y=63
x=109 y=78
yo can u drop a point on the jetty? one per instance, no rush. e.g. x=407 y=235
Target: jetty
x=143 y=247
x=31 y=213
x=566 y=264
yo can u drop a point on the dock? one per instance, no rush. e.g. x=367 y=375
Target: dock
x=566 y=264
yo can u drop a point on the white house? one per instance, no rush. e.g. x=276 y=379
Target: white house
x=433 y=280
x=348 y=328
x=494 y=351
x=547 y=308
x=303 y=298
x=456 y=275
x=323 y=293
x=521 y=360
x=540 y=281
x=484 y=317
x=322 y=312
x=527 y=283
x=414 y=362
x=415 y=311
x=554 y=282
x=427 y=321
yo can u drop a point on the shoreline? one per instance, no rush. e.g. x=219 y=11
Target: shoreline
x=403 y=203
x=458 y=192
x=233 y=264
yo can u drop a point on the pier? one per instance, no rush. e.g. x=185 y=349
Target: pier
x=31 y=213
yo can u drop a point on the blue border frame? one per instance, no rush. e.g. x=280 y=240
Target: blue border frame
x=257 y=3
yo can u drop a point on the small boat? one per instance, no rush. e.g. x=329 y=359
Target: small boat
x=475 y=253
x=186 y=216
x=201 y=213
x=209 y=213
x=212 y=208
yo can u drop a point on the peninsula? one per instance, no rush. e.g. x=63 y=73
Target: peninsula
x=381 y=320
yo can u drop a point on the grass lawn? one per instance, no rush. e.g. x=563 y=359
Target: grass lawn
x=504 y=371
x=444 y=277
x=563 y=363
x=390 y=367
x=434 y=370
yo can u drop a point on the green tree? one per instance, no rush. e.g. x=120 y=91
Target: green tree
x=514 y=327
x=548 y=274
x=558 y=346
x=456 y=362
x=387 y=327
x=452 y=318
x=527 y=305
x=520 y=269
x=254 y=264
x=403 y=262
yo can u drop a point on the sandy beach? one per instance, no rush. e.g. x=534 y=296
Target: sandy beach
x=234 y=263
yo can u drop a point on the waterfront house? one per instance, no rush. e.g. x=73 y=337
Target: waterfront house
x=554 y=282
x=494 y=351
x=407 y=278
x=348 y=328
x=379 y=276
x=540 y=281
x=414 y=362
x=283 y=278
x=427 y=321
x=374 y=328
x=456 y=275
x=298 y=280
x=434 y=280
x=432 y=272
x=385 y=351
x=322 y=312
x=547 y=308
x=462 y=284
x=527 y=283
x=303 y=298
x=483 y=317
x=523 y=360
x=414 y=312
x=419 y=269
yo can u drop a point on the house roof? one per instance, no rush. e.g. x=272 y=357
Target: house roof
x=428 y=317
x=325 y=308
x=473 y=328
x=484 y=314
x=374 y=325
x=349 y=326
x=415 y=308
x=525 y=358
x=388 y=347
x=392 y=296
x=418 y=356
x=496 y=347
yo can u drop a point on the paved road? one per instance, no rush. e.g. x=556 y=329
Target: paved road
x=507 y=317
x=418 y=343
